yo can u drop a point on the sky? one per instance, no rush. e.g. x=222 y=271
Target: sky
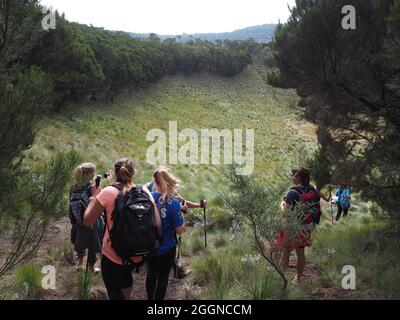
x=173 y=16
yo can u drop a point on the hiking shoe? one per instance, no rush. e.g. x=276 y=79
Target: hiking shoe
x=96 y=270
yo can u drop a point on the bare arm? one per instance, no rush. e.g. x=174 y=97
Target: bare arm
x=180 y=229
x=327 y=198
x=92 y=213
x=195 y=205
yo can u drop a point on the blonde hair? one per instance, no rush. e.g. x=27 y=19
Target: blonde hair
x=164 y=178
x=124 y=172
x=85 y=172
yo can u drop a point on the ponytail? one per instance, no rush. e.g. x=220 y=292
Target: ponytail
x=124 y=172
x=84 y=173
x=167 y=181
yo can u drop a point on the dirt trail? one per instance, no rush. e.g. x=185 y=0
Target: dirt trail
x=312 y=286
x=55 y=250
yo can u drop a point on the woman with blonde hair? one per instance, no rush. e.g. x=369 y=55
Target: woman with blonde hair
x=84 y=238
x=162 y=258
x=116 y=272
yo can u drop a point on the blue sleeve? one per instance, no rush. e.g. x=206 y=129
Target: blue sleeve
x=155 y=196
x=177 y=214
x=292 y=197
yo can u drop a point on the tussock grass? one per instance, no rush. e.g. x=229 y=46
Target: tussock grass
x=359 y=241
x=235 y=271
x=83 y=285
x=28 y=282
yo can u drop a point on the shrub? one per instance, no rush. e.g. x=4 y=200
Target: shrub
x=83 y=285
x=220 y=241
x=28 y=282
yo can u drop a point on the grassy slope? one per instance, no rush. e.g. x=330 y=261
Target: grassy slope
x=102 y=133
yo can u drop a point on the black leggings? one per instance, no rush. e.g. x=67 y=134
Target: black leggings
x=158 y=271
x=340 y=211
x=117 y=277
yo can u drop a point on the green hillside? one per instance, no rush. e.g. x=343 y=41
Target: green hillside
x=101 y=133
x=230 y=268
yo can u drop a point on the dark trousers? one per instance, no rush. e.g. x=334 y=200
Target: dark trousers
x=116 y=277
x=341 y=211
x=158 y=271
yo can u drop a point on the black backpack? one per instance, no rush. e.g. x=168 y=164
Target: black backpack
x=78 y=202
x=134 y=231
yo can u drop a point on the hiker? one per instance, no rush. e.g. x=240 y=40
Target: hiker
x=298 y=240
x=122 y=202
x=185 y=204
x=179 y=270
x=342 y=201
x=84 y=238
x=160 y=261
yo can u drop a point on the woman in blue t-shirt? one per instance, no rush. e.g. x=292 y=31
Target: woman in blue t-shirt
x=161 y=259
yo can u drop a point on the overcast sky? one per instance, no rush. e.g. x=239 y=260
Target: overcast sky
x=173 y=16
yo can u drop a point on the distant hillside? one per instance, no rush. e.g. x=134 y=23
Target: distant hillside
x=262 y=33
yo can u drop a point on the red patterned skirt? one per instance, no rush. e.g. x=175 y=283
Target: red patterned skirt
x=294 y=239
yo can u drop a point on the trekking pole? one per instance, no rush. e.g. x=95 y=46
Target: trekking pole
x=87 y=258
x=177 y=257
x=331 y=206
x=205 y=223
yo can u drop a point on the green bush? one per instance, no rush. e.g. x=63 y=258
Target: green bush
x=28 y=282
x=83 y=285
x=220 y=241
x=275 y=80
x=263 y=286
x=197 y=245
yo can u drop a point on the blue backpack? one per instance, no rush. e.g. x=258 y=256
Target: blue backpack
x=344 y=199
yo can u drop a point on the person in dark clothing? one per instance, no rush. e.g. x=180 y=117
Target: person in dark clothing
x=83 y=238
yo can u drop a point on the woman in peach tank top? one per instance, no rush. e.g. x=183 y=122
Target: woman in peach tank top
x=117 y=276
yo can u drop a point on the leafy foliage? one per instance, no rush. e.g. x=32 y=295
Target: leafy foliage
x=257 y=207
x=350 y=87
x=28 y=282
x=36 y=200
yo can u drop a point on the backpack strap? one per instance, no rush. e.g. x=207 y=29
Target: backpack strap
x=120 y=189
x=299 y=192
